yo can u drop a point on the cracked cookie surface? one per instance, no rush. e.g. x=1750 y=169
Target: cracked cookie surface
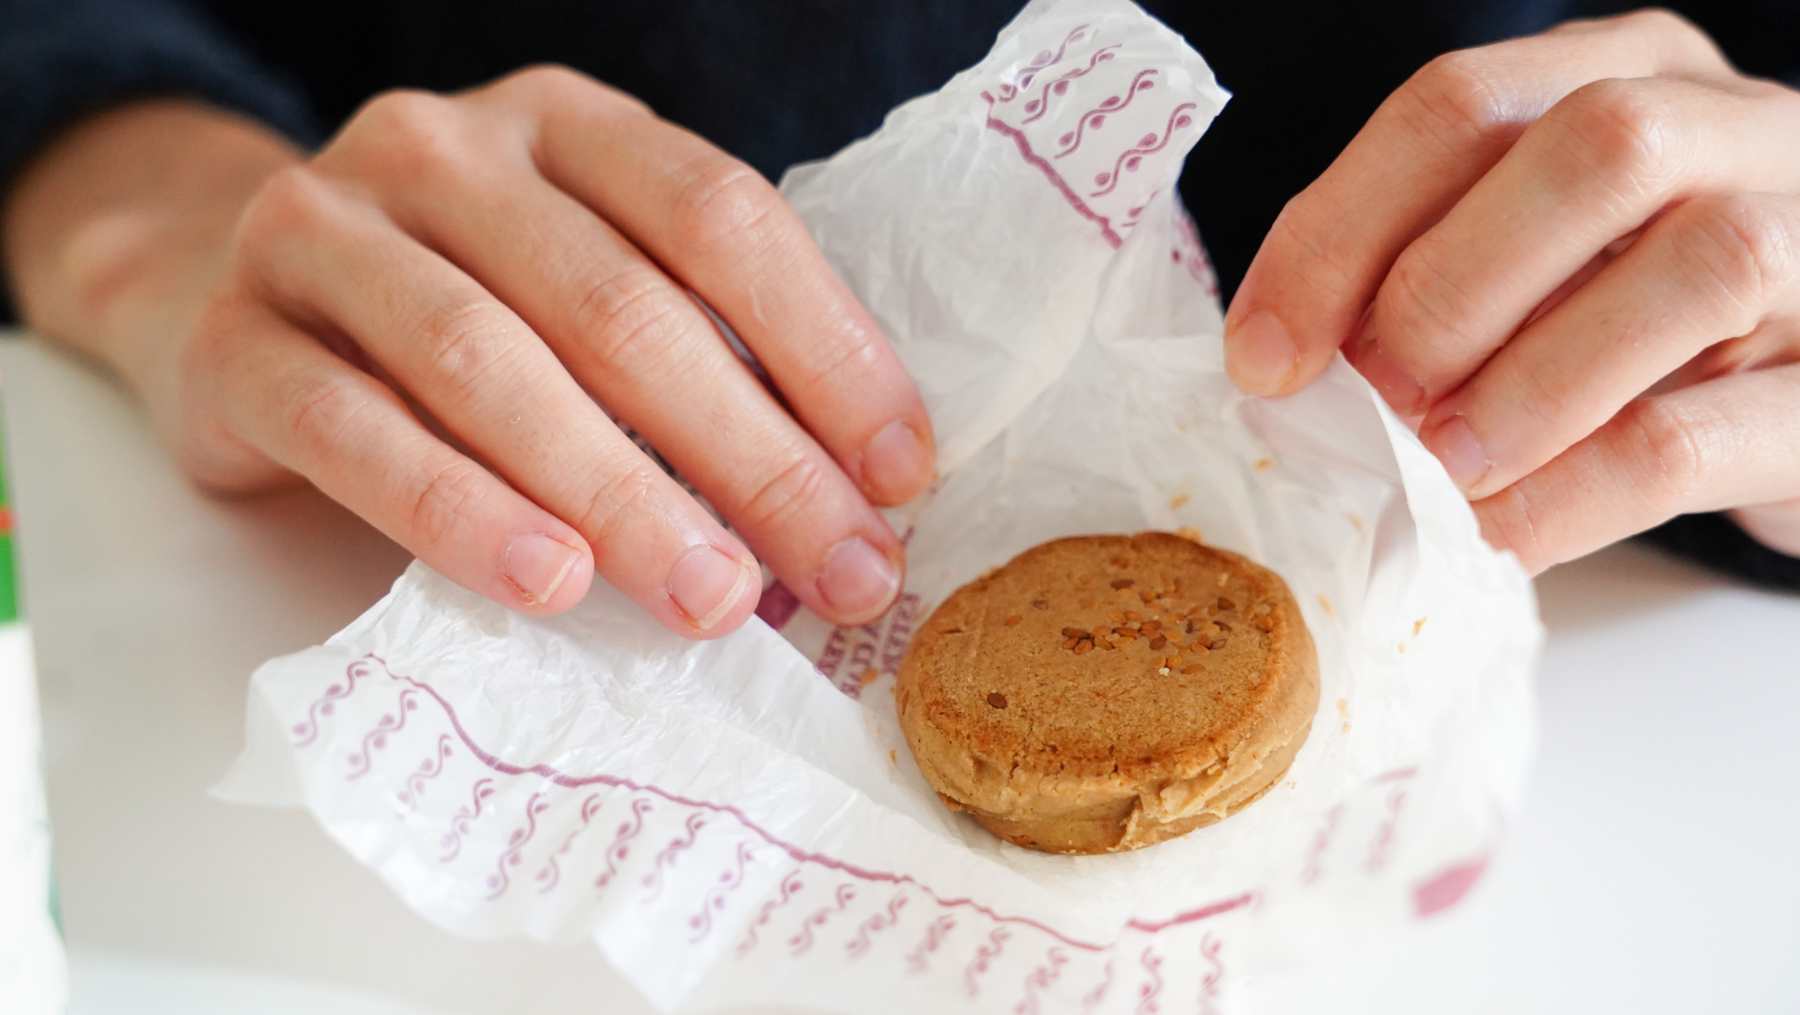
x=1101 y=693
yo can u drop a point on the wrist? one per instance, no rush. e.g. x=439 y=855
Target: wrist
x=117 y=230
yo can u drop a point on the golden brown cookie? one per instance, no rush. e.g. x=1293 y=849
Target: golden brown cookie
x=1102 y=693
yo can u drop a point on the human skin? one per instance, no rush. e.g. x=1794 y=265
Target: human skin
x=1573 y=260
x=425 y=318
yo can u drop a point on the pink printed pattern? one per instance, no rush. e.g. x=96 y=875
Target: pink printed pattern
x=1447 y=887
x=934 y=937
x=1383 y=848
x=1151 y=143
x=777 y=605
x=1040 y=979
x=984 y=957
x=363 y=759
x=429 y=769
x=549 y=875
x=500 y=880
x=859 y=945
x=1191 y=253
x=1107 y=232
x=1315 y=854
x=1010 y=90
x=695 y=814
x=1151 y=988
x=790 y=886
x=1214 y=975
x=846 y=915
x=465 y=816
x=307 y=729
x=620 y=848
x=1092 y=998
x=666 y=859
x=701 y=922
x=1062 y=133
x=1036 y=108
x=850 y=653
x=802 y=941
x=1095 y=118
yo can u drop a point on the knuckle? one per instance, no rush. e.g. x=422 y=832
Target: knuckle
x=551 y=86
x=409 y=136
x=612 y=505
x=463 y=342
x=206 y=442
x=445 y=503
x=1510 y=521
x=1662 y=22
x=1616 y=130
x=725 y=203
x=1541 y=390
x=1296 y=231
x=1424 y=305
x=632 y=317
x=1742 y=250
x=1454 y=98
x=1665 y=449
x=551 y=80
x=1680 y=34
x=321 y=411
x=212 y=350
x=855 y=358
x=291 y=201
x=785 y=495
x=401 y=111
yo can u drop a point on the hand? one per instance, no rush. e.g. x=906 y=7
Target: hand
x=1574 y=260
x=492 y=264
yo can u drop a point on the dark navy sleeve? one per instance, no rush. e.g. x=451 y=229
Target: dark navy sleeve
x=62 y=59
x=1714 y=541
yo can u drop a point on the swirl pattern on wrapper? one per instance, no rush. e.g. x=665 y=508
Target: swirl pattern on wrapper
x=1067 y=345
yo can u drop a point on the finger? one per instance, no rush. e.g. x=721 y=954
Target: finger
x=1728 y=441
x=1776 y=525
x=1710 y=269
x=653 y=357
x=1573 y=283
x=352 y=438
x=1305 y=293
x=718 y=226
x=482 y=372
x=1598 y=165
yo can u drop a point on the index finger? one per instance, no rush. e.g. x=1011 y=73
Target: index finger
x=716 y=224
x=1306 y=291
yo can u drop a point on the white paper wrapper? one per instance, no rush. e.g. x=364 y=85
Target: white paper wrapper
x=727 y=827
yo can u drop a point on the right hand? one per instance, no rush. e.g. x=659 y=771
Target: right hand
x=497 y=262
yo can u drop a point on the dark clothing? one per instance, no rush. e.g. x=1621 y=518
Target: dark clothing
x=780 y=81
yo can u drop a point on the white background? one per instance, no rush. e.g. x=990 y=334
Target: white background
x=1654 y=868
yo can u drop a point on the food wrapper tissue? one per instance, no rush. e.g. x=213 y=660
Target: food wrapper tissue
x=739 y=822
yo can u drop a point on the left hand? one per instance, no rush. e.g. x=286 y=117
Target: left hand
x=1574 y=260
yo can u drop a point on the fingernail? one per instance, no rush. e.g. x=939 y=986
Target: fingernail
x=858 y=581
x=895 y=464
x=536 y=565
x=1394 y=382
x=1260 y=354
x=1455 y=444
x=706 y=583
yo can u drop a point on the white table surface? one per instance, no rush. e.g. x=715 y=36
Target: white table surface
x=1653 y=869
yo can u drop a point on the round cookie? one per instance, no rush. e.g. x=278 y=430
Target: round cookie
x=1102 y=693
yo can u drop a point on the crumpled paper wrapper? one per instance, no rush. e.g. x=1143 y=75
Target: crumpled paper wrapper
x=740 y=822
